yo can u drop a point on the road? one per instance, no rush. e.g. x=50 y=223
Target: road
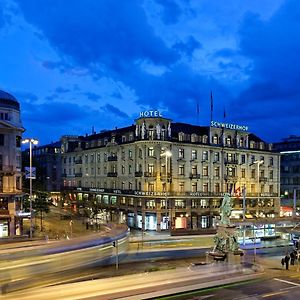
x=285 y=286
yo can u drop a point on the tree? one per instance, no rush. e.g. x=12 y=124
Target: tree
x=41 y=205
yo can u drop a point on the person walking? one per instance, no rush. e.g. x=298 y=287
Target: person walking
x=287 y=260
x=292 y=255
x=282 y=262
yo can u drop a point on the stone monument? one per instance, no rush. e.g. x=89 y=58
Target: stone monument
x=226 y=241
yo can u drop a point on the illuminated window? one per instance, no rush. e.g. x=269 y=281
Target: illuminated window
x=194 y=154
x=180 y=153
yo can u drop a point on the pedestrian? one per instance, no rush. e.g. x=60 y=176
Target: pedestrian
x=282 y=262
x=292 y=255
x=287 y=260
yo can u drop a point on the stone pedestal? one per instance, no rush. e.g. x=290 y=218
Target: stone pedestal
x=233 y=259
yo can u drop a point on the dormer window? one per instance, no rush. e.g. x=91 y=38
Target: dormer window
x=193 y=138
x=181 y=136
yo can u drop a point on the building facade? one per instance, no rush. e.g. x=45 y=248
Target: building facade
x=289 y=148
x=47 y=161
x=10 y=166
x=158 y=173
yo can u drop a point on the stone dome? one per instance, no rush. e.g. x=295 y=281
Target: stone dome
x=8 y=100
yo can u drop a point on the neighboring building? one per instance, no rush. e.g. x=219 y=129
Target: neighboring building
x=289 y=149
x=47 y=161
x=128 y=172
x=10 y=166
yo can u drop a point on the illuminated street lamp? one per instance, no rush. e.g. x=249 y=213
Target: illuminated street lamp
x=167 y=154
x=34 y=142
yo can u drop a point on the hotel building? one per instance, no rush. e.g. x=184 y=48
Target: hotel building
x=10 y=166
x=157 y=173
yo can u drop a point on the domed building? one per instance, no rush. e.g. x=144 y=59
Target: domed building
x=11 y=130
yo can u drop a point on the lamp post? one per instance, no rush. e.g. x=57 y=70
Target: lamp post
x=258 y=163
x=31 y=142
x=167 y=154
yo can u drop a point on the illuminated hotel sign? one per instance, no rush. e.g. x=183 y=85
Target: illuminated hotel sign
x=228 y=126
x=150 y=114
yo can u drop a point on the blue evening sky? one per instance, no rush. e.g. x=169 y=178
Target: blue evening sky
x=75 y=64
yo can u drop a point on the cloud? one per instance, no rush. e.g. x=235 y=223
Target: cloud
x=92 y=96
x=114 y=33
x=188 y=47
x=108 y=108
x=171 y=11
x=61 y=90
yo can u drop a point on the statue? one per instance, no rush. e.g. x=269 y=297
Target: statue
x=169 y=130
x=136 y=130
x=158 y=131
x=225 y=209
x=143 y=130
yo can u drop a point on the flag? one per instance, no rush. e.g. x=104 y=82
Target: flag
x=224 y=113
x=238 y=193
x=211 y=101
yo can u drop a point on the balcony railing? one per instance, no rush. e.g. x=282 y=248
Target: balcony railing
x=78 y=174
x=149 y=174
x=78 y=161
x=112 y=174
x=195 y=176
x=230 y=177
x=231 y=162
x=112 y=158
x=138 y=174
x=263 y=179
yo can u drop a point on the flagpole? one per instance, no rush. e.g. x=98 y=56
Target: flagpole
x=211 y=106
x=244 y=212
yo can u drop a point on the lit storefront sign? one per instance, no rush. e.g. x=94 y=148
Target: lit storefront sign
x=228 y=126
x=150 y=114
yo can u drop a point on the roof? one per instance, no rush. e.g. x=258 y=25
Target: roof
x=8 y=100
x=189 y=129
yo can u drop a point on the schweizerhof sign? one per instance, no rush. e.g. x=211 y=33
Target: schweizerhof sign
x=229 y=126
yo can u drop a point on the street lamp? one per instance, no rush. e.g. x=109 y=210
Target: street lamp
x=258 y=163
x=31 y=142
x=167 y=154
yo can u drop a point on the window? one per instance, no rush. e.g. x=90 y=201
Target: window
x=205 y=171
x=151 y=169
x=205 y=155
x=151 y=151
x=179 y=204
x=150 y=187
x=194 y=170
x=271 y=162
x=217 y=187
x=130 y=186
x=194 y=138
x=216 y=156
x=252 y=173
x=204 y=203
x=181 y=170
x=194 y=154
x=123 y=169
x=205 y=187
x=217 y=172
x=243 y=158
x=194 y=187
x=18 y=141
x=181 y=136
x=140 y=153
x=243 y=171
x=129 y=169
x=215 y=139
x=252 y=159
x=194 y=203
x=271 y=175
x=271 y=189
x=150 y=203
x=180 y=153
x=228 y=140
x=181 y=187
x=130 y=153
x=98 y=157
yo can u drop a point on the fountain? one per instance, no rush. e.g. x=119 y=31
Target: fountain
x=225 y=240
